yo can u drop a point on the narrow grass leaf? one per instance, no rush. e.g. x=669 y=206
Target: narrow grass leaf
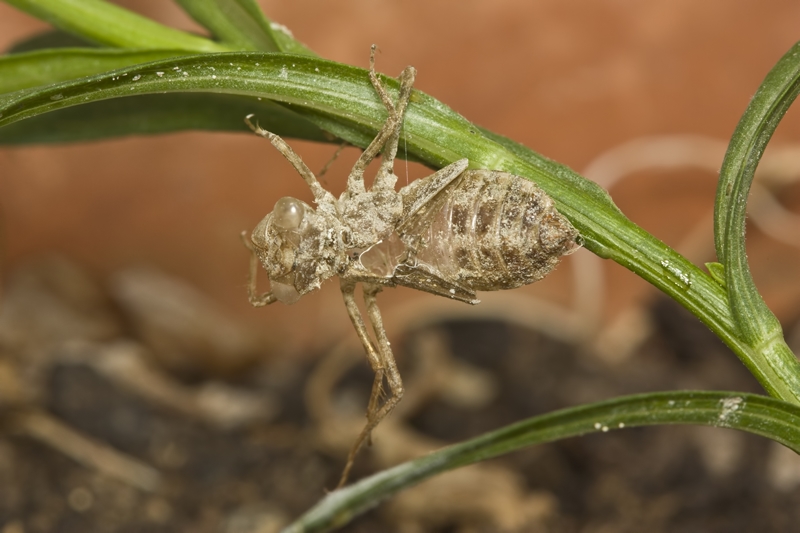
x=239 y=23
x=757 y=325
x=48 y=40
x=45 y=67
x=105 y=23
x=774 y=419
x=154 y=114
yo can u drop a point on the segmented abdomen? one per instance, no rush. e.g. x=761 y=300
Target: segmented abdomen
x=495 y=231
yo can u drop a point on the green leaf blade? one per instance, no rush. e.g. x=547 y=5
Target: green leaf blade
x=752 y=134
x=46 y=67
x=756 y=324
x=239 y=23
x=243 y=25
x=774 y=419
x=158 y=114
x=111 y=25
x=49 y=39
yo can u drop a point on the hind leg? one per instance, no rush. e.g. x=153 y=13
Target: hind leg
x=382 y=362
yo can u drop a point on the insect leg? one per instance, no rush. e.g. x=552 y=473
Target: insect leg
x=320 y=194
x=256 y=300
x=385 y=178
x=373 y=78
x=375 y=358
x=355 y=182
x=385 y=350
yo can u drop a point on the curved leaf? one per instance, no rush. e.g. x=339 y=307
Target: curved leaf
x=755 y=129
x=45 y=67
x=237 y=22
x=756 y=324
x=242 y=24
x=49 y=39
x=152 y=114
x=286 y=41
x=111 y=25
x=774 y=419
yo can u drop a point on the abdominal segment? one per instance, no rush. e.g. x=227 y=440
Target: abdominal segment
x=485 y=231
x=494 y=231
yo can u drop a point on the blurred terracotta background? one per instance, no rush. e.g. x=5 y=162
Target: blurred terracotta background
x=568 y=79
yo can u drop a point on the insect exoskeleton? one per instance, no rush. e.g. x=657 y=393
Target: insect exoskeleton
x=493 y=231
x=472 y=230
x=452 y=233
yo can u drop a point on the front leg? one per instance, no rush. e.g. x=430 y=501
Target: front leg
x=385 y=178
x=256 y=300
x=390 y=131
x=319 y=192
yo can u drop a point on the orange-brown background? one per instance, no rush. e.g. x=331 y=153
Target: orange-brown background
x=569 y=79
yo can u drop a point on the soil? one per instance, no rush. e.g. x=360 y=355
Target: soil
x=257 y=474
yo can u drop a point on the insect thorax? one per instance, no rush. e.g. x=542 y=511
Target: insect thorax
x=370 y=216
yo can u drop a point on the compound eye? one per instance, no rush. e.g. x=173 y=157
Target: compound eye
x=288 y=213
